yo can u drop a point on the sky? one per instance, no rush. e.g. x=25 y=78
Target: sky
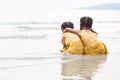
x=49 y=4
x=15 y=8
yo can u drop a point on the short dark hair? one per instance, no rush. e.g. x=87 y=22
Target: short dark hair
x=67 y=25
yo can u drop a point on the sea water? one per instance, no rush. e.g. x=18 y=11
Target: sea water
x=29 y=47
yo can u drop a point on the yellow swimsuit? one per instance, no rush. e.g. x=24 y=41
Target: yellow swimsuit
x=92 y=46
x=73 y=43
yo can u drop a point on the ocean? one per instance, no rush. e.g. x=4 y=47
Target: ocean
x=30 y=44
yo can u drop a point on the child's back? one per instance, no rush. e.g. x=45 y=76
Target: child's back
x=73 y=43
x=92 y=46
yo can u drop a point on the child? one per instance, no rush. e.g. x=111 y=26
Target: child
x=92 y=46
x=71 y=42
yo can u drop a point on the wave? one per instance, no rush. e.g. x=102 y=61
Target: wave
x=24 y=37
x=37 y=28
x=19 y=23
x=42 y=57
x=21 y=62
x=57 y=22
x=107 y=21
x=110 y=37
x=26 y=58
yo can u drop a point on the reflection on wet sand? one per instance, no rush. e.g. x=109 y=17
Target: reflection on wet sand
x=82 y=68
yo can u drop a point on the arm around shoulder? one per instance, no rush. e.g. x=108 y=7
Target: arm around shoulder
x=72 y=31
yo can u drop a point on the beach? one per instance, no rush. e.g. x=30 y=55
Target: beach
x=29 y=49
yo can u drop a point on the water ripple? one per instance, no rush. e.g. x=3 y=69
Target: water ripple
x=24 y=37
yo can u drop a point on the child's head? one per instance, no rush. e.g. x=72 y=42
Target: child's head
x=86 y=22
x=67 y=25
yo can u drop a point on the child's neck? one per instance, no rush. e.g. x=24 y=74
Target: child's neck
x=84 y=28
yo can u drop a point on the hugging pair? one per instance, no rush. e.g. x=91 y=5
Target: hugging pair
x=83 y=41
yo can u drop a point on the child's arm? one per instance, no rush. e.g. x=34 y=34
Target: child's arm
x=72 y=30
x=63 y=42
x=64 y=46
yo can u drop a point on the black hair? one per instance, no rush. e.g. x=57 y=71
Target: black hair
x=87 y=23
x=67 y=25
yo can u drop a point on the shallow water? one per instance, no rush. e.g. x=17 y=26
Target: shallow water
x=30 y=50
x=65 y=67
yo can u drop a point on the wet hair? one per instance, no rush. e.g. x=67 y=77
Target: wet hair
x=87 y=23
x=67 y=25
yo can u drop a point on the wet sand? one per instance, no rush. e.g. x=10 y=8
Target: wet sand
x=61 y=68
